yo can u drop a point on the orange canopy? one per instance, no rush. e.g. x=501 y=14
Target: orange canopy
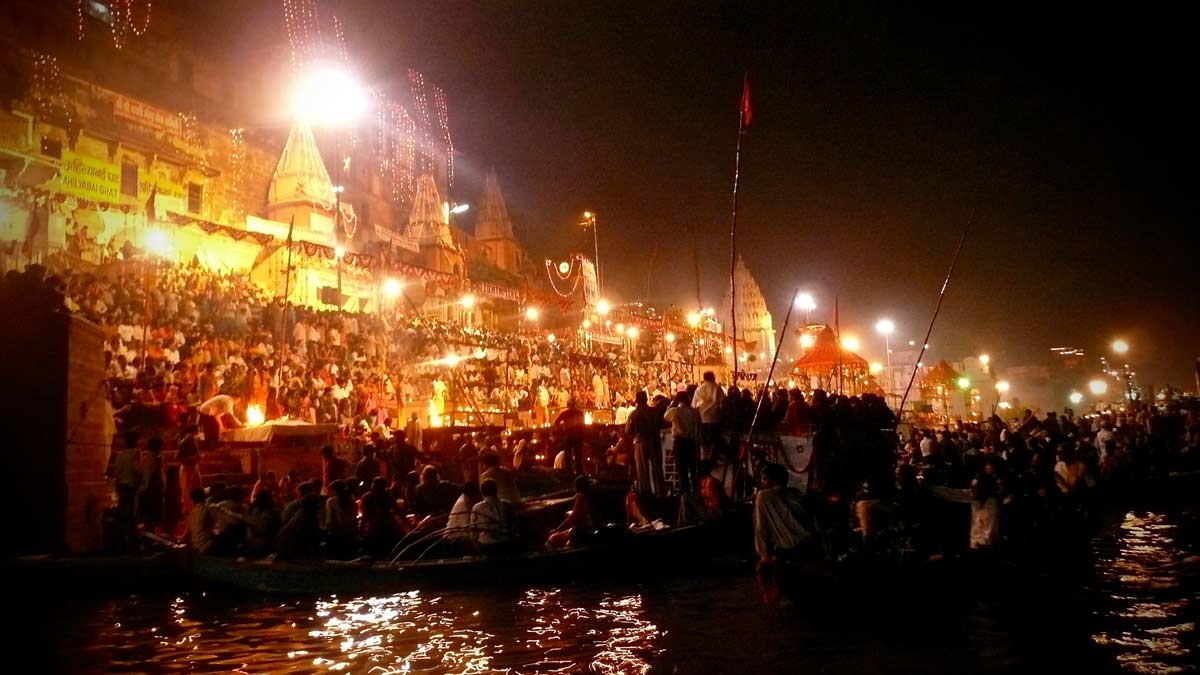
x=942 y=373
x=824 y=354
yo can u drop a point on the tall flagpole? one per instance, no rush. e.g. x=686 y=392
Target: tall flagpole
x=287 y=304
x=743 y=120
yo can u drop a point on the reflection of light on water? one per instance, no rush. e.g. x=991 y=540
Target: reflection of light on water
x=532 y=632
x=1146 y=620
x=622 y=639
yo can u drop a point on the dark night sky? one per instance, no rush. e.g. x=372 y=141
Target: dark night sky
x=877 y=131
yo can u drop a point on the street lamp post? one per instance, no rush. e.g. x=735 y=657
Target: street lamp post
x=886 y=327
x=333 y=98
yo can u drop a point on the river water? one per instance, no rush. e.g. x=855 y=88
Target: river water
x=1134 y=611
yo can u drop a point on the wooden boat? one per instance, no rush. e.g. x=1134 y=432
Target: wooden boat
x=616 y=553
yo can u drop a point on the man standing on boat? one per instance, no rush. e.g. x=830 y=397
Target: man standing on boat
x=708 y=401
x=644 y=425
x=569 y=424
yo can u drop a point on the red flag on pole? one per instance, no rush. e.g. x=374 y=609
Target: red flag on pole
x=745 y=104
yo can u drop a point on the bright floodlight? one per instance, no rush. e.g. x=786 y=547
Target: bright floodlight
x=885 y=327
x=392 y=287
x=328 y=96
x=460 y=208
x=633 y=332
x=1002 y=386
x=807 y=340
x=693 y=319
x=850 y=343
x=620 y=328
x=587 y=324
x=669 y=337
x=550 y=338
x=467 y=301
x=1076 y=398
x=158 y=243
x=1120 y=346
x=339 y=252
x=452 y=360
x=532 y=313
x=587 y=215
x=806 y=302
x=876 y=367
x=963 y=383
x=984 y=359
x=1098 y=387
x=602 y=307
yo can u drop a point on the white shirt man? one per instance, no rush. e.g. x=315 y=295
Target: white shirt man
x=493 y=519
x=707 y=400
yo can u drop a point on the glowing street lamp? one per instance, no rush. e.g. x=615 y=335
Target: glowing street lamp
x=669 y=338
x=532 y=313
x=984 y=360
x=806 y=303
x=467 y=301
x=807 y=341
x=328 y=96
x=1002 y=386
x=602 y=307
x=964 y=383
x=1120 y=346
x=876 y=367
x=633 y=332
x=1098 y=387
x=1076 y=398
x=392 y=287
x=693 y=319
x=850 y=343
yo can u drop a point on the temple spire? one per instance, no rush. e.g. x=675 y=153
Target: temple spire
x=429 y=223
x=493 y=221
x=300 y=177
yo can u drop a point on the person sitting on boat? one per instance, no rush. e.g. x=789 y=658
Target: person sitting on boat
x=779 y=518
x=493 y=520
x=432 y=496
x=381 y=527
x=368 y=468
x=263 y=522
x=578 y=527
x=340 y=521
x=199 y=523
x=458 y=526
x=505 y=482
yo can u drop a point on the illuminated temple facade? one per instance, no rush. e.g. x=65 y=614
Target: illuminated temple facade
x=101 y=143
x=754 y=323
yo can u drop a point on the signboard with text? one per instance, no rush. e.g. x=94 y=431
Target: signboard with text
x=89 y=178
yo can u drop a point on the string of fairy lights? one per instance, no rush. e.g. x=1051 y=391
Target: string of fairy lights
x=47 y=91
x=123 y=19
x=443 y=115
x=404 y=142
x=237 y=163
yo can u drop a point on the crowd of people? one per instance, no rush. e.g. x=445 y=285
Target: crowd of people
x=189 y=351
